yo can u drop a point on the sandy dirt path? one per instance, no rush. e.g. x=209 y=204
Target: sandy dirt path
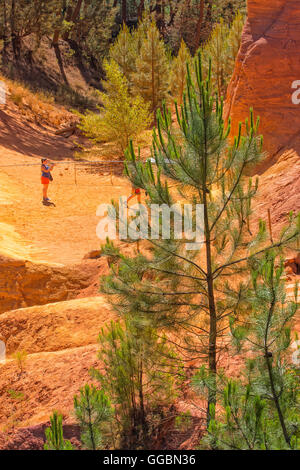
x=62 y=234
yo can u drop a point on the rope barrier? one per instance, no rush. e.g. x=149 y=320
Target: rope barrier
x=103 y=162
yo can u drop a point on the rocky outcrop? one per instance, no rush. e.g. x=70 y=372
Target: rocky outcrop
x=267 y=65
x=278 y=191
x=56 y=326
x=24 y=283
x=61 y=342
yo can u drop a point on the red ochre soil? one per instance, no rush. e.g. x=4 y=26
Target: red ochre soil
x=50 y=306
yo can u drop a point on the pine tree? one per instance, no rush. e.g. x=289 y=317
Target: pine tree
x=222 y=47
x=54 y=434
x=261 y=411
x=194 y=20
x=124 y=52
x=151 y=79
x=86 y=25
x=123 y=116
x=4 y=25
x=126 y=48
x=190 y=22
x=178 y=72
x=188 y=291
x=140 y=33
x=140 y=375
x=234 y=40
x=93 y=411
x=216 y=48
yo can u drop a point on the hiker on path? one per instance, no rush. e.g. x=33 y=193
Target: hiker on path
x=135 y=192
x=46 y=168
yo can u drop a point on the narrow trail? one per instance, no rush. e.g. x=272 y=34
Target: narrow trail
x=62 y=234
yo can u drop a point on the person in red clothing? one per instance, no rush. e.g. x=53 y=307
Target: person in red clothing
x=135 y=192
x=46 y=177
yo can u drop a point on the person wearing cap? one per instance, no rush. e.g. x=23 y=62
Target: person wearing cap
x=46 y=177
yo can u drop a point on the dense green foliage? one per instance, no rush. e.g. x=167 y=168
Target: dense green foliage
x=90 y=25
x=87 y=23
x=178 y=72
x=193 y=20
x=189 y=291
x=143 y=59
x=262 y=410
x=123 y=116
x=87 y=32
x=151 y=74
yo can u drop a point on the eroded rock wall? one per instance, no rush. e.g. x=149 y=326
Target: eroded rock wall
x=267 y=65
x=24 y=284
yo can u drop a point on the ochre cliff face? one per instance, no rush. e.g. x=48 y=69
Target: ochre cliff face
x=262 y=13
x=24 y=284
x=267 y=65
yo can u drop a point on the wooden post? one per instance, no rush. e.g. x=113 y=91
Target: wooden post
x=270 y=226
x=75 y=174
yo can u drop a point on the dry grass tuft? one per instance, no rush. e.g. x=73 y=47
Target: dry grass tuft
x=38 y=107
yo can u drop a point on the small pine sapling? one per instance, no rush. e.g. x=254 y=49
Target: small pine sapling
x=260 y=411
x=94 y=412
x=54 y=434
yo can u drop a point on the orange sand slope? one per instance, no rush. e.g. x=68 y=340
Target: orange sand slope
x=61 y=234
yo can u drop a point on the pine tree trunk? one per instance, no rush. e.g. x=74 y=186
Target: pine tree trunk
x=141 y=9
x=91 y=431
x=124 y=11
x=77 y=11
x=153 y=81
x=55 y=37
x=276 y=400
x=56 y=33
x=5 y=31
x=268 y=359
x=141 y=398
x=199 y=25
x=73 y=16
x=14 y=37
x=212 y=345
